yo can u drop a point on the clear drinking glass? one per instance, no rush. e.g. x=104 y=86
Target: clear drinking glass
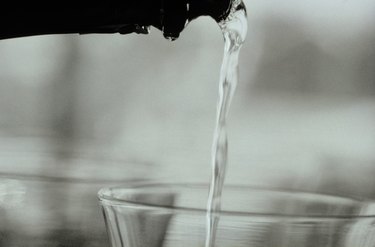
x=173 y=215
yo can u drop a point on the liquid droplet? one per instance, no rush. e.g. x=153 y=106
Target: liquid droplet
x=171 y=37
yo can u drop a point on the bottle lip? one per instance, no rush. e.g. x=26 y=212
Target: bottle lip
x=175 y=14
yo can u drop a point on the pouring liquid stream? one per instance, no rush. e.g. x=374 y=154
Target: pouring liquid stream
x=234 y=29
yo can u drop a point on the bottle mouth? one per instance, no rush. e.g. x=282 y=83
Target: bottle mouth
x=176 y=14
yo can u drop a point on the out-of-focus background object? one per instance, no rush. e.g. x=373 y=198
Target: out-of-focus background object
x=78 y=112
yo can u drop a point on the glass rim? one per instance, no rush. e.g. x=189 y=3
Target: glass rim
x=104 y=197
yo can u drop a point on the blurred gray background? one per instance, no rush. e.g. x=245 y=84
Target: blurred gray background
x=78 y=112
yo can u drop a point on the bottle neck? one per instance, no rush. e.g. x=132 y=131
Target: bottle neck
x=66 y=17
x=116 y=16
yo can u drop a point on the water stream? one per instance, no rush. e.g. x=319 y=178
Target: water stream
x=234 y=29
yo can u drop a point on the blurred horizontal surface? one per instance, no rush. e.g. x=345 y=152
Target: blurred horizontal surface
x=50 y=200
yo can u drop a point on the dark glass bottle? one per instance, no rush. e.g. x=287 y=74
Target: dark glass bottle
x=22 y=18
